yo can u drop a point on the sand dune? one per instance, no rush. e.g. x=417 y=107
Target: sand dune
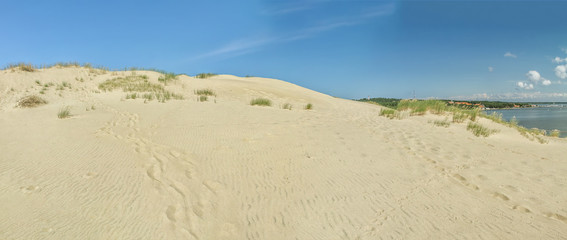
x=221 y=169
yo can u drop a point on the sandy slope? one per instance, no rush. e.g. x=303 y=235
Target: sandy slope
x=223 y=169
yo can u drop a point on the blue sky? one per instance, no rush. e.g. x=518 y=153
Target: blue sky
x=496 y=50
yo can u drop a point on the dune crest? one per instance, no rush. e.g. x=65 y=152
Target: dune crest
x=124 y=166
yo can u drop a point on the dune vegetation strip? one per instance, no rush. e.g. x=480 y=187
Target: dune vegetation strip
x=31 y=101
x=309 y=106
x=460 y=115
x=139 y=84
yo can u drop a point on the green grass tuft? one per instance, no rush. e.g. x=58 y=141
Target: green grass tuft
x=261 y=102
x=203 y=98
x=309 y=106
x=64 y=112
x=31 y=101
x=479 y=130
x=205 y=75
x=167 y=77
x=442 y=123
x=205 y=92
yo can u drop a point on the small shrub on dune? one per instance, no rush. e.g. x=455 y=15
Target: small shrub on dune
x=31 y=101
x=287 y=106
x=309 y=106
x=261 y=102
x=203 y=98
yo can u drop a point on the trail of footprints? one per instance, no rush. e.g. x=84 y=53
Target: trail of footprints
x=173 y=173
x=411 y=140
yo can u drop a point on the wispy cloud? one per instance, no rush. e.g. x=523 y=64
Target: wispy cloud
x=516 y=96
x=509 y=54
x=490 y=69
x=244 y=46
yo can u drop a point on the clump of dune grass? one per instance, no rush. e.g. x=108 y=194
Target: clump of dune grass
x=287 y=106
x=309 y=106
x=394 y=114
x=64 y=112
x=555 y=133
x=205 y=75
x=442 y=123
x=203 y=98
x=139 y=84
x=22 y=67
x=386 y=112
x=167 y=77
x=31 y=101
x=261 y=102
x=205 y=92
x=479 y=130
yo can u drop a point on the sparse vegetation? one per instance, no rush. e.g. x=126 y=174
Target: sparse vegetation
x=203 y=98
x=386 y=112
x=479 y=130
x=38 y=82
x=309 y=106
x=287 y=106
x=167 y=77
x=555 y=133
x=423 y=106
x=65 y=112
x=442 y=123
x=205 y=92
x=205 y=75
x=31 y=101
x=531 y=134
x=261 y=102
x=21 y=66
x=139 y=83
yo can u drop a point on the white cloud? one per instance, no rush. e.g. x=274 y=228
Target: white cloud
x=525 y=85
x=559 y=60
x=546 y=82
x=533 y=76
x=490 y=69
x=561 y=71
x=564 y=50
x=509 y=54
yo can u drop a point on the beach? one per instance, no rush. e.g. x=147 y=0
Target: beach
x=220 y=168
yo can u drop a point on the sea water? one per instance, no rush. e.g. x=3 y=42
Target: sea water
x=548 y=117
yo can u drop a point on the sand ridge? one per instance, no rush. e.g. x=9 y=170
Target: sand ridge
x=123 y=169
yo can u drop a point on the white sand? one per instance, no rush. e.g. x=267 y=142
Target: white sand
x=227 y=170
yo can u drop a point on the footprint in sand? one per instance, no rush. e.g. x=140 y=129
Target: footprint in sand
x=90 y=175
x=29 y=189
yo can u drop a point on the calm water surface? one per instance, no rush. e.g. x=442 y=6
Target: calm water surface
x=546 y=117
